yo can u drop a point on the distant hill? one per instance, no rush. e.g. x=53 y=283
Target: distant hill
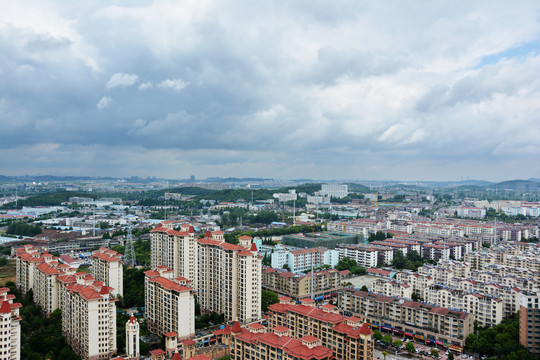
x=520 y=185
x=534 y=179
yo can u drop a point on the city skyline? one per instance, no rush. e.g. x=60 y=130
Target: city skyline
x=443 y=91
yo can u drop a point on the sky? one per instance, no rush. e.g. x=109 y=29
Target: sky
x=402 y=90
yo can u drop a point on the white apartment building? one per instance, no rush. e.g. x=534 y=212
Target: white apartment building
x=107 y=267
x=88 y=316
x=28 y=257
x=487 y=310
x=177 y=250
x=10 y=327
x=46 y=288
x=364 y=256
x=229 y=279
x=304 y=259
x=334 y=190
x=392 y=288
x=471 y=212
x=288 y=196
x=170 y=303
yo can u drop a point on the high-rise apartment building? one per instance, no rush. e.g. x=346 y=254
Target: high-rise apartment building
x=28 y=257
x=88 y=316
x=529 y=321
x=177 y=250
x=10 y=328
x=229 y=279
x=170 y=303
x=107 y=267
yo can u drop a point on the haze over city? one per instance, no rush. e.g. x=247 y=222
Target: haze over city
x=309 y=89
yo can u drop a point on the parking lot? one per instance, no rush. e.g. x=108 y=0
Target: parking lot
x=423 y=351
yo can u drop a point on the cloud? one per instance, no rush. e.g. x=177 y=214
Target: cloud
x=361 y=90
x=146 y=85
x=104 y=102
x=121 y=79
x=175 y=84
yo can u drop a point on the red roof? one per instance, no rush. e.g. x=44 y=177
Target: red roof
x=5 y=308
x=236 y=327
x=157 y=352
x=188 y=342
x=171 y=334
x=169 y=284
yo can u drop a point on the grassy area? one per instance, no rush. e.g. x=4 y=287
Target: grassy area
x=8 y=272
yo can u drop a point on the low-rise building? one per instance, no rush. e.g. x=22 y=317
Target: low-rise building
x=298 y=286
x=348 y=337
x=411 y=318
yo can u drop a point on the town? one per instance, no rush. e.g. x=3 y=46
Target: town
x=265 y=269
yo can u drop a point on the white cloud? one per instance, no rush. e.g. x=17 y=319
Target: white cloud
x=175 y=84
x=146 y=85
x=121 y=79
x=104 y=102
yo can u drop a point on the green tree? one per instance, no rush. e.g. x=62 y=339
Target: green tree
x=387 y=339
x=397 y=343
x=410 y=347
x=377 y=335
x=286 y=267
x=435 y=352
x=450 y=356
x=384 y=353
x=364 y=288
x=268 y=298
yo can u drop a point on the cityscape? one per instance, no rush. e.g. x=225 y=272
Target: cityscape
x=236 y=180
x=266 y=269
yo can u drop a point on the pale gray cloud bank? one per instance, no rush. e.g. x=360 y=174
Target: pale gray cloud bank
x=315 y=89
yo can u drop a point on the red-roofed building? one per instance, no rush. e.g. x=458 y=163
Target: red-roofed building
x=422 y=319
x=267 y=346
x=88 y=315
x=176 y=250
x=334 y=330
x=10 y=333
x=229 y=279
x=107 y=267
x=170 y=304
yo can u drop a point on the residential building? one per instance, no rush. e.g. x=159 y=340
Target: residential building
x=28 y=257
x=392 y=288
x=277 y=344
x=107 y=267
x=10 y=333
x=363 y=255
x=229 y=279
x=412 y=319
x=348 y=337
x=88 y=316
x=487 y=309
x=307 y=259
x=529 y=321
x=177 y=250
x=46 y=288
x=298 y=286
x=334 y=190
x=170 y=303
